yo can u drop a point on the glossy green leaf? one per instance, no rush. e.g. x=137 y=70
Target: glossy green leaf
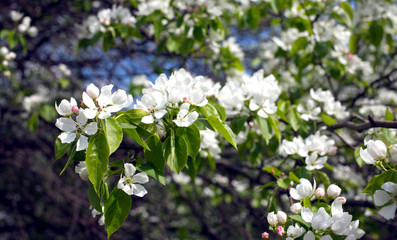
x=389 y=116
x=299 y=219
x=94 y=199
x=327 y=119
x=348 y=11
x=71 y=153
x=155 y=153
x=97 y=158
x=265 y=128
x=223 y=129
x=376 y=33
x=132 y=133
x=237 y=124
x=60 y=148
x=117 y=208
x=299 y=44
x=275 y=126
x=113 y=133
x=152 y=171
x=175 y=152
x=307 y=203
x=294 y=118
x=191 y=135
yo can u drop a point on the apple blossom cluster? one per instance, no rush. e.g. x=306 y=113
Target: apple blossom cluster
x=6 y=56
x=315 y=149
x=104 y=20
x=181 y=91
x=386 y=200
x=260 y=92
x=24 y=26
x=322 y=221
x=78 y=123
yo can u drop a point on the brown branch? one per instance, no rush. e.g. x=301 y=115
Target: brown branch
x=367 y=124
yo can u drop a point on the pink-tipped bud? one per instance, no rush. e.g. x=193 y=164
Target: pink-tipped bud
x=280 y=231
x=350 y=56
x=265 y=235
x=341 y=199
x=332 y=150
x=251 y=123
x=319 y=193
x=186 y=99
x=196 y=9
x=188 y=8
x=75 y=109
x=272 y=171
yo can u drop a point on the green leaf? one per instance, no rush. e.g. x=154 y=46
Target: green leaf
x=348 y=11
x=97 y=158
x=94 y=199
x=60 y=148
x=299 y=44
x=299 y=219
x=275 y=126
x=191 y=135
x=273 y=4
x=237 y=124
x=252 y=17
x=376 y=33
x=284 y=183
x=47 y=112
x=155 y=152
x=324 y=179
x=186 y=47
x=152 y=171
x=265 y=128
x=272 y=170
x=175 y=152
x=389 y=115
x=307 y=203
x=132 y=133
x=223 y=129
x=293 y=118
x=377 y=181
x=12 y=39
x=293 y=177
x=327 y=119
x=113 y=133
x=221 y=112
x=33 y=122
x=198 y=33
x=358 y=158
x=117 y=208
x=353 y=43
x=321 y=49
x=302 y=172
x=71 y=153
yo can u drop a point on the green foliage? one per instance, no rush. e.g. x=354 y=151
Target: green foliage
x=117 y=209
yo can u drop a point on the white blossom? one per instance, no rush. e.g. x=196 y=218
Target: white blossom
x=382 y=198
x=131 y=182
x=375 y=151
x=303 y=189
x=184 y=117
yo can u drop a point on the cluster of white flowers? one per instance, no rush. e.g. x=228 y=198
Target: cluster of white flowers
x=104 y=19
x=181 y=91
x=6 y=56
x=95 y=104
x=339 y=222
x=36 y=99
x=330 y=105
x=24 y=26
x=209 y=144
x=262 y=93
x=315 y=149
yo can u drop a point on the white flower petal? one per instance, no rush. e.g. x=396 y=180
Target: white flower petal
x=307 y=214
x=309 y=236
x=66 y=124
x=67 y=137
x=104 y=114
x=129 y=169
x=294 y=194
x=91 y=128
x=81 y=119
x=139 y=190
x=88 y=101
x=89 y=113
x=390 y=187
x=148 y=119
x=82 y=143
x=140 y=178
x=389 y=211
x=381 y=197
x=336 y=208
x=128 y=189
x=160 y=113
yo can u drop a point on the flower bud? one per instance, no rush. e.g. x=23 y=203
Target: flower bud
x=280 y=231
x=272 y=219
x=265 y=235
x=281 y=217
x=332 y=150
x=333 y=191
x=319 y=193
x=92 y=91
x=75 y=109
x=341 y=199
x=296 y=208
